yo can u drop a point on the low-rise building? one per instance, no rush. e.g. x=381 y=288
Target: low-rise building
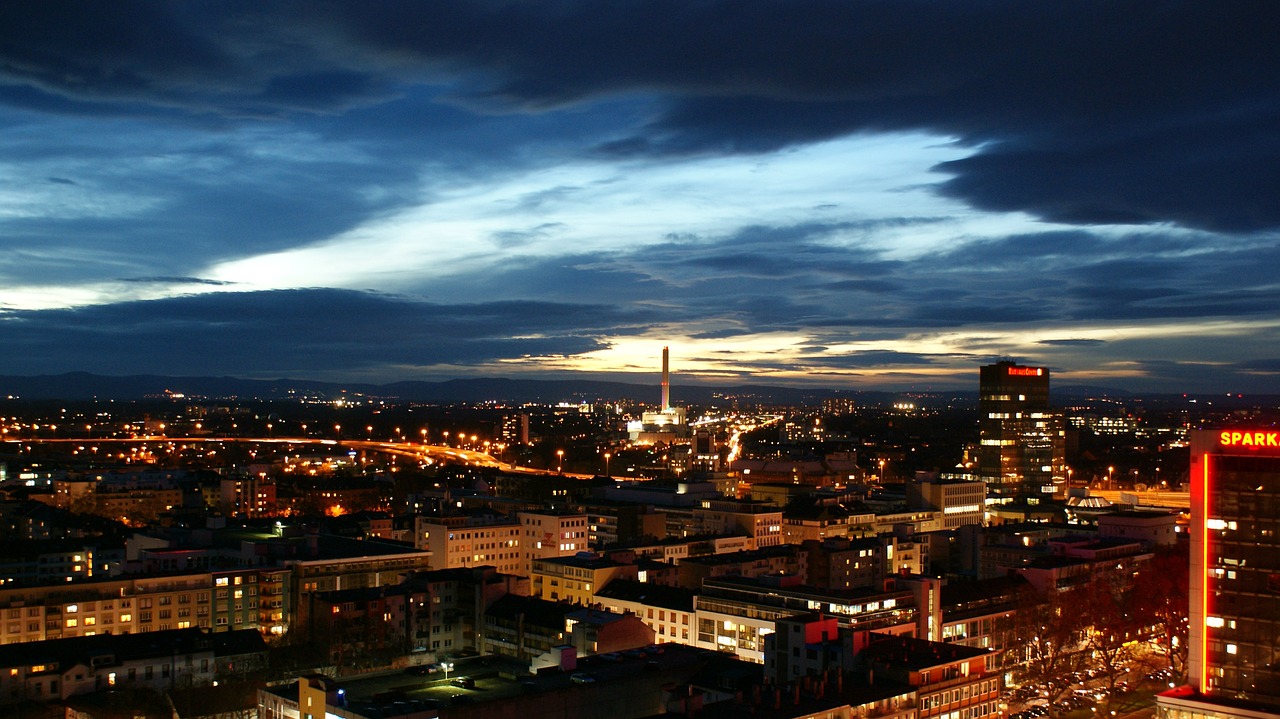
x=961 y=502
x=575 y=579
x=62 y=668
x=734 y=614
x=951 y=681
x=780 y=559
x=524 y=627
x=817 y=521
x=1151 y=528
x=550 y=533
x=667 y=610
x=477 y=541
x=596 y=631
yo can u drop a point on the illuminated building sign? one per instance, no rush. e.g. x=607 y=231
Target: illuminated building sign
x=1026 y=371
x=1254 y=439
x=1235 y=561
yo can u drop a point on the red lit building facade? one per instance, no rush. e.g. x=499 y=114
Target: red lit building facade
x=1233 y=662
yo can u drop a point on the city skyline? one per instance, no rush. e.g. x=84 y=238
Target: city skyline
x=860 y=195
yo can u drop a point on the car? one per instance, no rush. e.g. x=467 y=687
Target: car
x=634 y=654
x=654 y=649
x=465 y=682
x=582 y=678
x=422 y=669
x=611 y=657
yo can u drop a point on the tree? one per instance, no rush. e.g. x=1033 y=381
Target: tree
x=1162 y=602
x=1050 y=629
x=1116 y=639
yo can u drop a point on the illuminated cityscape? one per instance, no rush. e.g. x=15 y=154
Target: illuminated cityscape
x=838 y=359
x=277 y=548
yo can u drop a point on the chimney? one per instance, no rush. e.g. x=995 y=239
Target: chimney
x=666 y=380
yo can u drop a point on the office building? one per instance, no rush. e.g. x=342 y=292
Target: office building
x=548 y=534
x=1233 y=658
x=1021 y=455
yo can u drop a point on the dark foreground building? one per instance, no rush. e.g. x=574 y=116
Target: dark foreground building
x=1233 y=662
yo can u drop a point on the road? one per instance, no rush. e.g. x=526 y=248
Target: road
x=413 y=450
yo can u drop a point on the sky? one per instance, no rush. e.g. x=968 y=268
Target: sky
x=860 y=195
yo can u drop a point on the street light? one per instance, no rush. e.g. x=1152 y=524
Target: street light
x=1111 y=482
x=560 y=461
x=606 y=464
x=446 y=666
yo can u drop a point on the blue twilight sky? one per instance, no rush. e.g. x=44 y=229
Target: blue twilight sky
x=851 y=194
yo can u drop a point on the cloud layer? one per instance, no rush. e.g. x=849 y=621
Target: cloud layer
x=872 y=193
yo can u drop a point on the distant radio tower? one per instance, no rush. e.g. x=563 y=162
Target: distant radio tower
x=666 y=381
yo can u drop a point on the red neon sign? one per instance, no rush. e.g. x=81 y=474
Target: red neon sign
x=1203 y=678
x=1026 y=371
x=1253 y=439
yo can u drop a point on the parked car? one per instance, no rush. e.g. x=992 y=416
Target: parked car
x=422 y=669
x=582 y=678
x=465 y=682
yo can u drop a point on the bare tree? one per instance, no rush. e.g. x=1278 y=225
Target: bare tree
x=1116 y=637
x=1162 y=602
x=1051 y=630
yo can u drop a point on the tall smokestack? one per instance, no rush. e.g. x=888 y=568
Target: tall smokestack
x=666 y=381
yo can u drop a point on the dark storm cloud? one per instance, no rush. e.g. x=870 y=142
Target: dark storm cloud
x=872 y=358
x=1270 y=365
x=840 y=292
x=1082 y=112
x=1170 y=373
x=300 y=331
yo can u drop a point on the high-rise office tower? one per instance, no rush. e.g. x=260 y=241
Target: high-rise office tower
x=1233 y=656
x=1021 y=454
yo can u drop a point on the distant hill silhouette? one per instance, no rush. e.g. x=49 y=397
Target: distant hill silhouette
x=83 y=385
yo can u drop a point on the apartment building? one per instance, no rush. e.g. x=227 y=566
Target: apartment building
x=667 y=610
x=494 y=541
x=550 y=533
x=575 y=579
